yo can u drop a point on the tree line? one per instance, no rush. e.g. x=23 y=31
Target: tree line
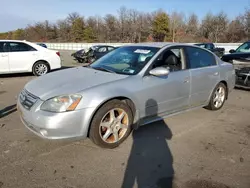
x=132 y=26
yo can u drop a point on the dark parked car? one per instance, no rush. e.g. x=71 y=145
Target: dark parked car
x=240 y=58
x=93 y=53
x=42 y=44
x=210 y=46
x=78 y=55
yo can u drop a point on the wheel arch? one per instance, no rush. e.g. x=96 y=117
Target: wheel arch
x=126 y=100
x=225 y=83
x=42 y=60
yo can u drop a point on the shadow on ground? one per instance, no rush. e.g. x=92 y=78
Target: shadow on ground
x=150 y=163
x=30 y=74
x=15 y=75
x=8 y=110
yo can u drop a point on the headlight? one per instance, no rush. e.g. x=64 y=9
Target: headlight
x=61 y=103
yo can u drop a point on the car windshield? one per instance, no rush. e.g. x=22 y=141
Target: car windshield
x=127 y=60
x=244 y=47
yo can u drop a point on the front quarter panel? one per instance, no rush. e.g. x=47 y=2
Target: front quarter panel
x=96 y=96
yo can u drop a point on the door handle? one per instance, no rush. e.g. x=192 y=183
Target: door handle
x=186 y=80
x=216 y=74
x=4 y=55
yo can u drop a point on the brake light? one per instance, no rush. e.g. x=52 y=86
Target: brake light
x=58 y=53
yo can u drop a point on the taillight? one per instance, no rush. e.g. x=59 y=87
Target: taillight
x=58 y=53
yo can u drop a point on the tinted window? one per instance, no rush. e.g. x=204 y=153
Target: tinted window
x=210 y=46
x=102 y=49
x=201 y=45
x=110 y=48
x=199 y=58
x=244 y=47
x=20 y=47
x=3 y=47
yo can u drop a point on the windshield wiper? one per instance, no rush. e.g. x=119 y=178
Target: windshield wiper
x=103 y=69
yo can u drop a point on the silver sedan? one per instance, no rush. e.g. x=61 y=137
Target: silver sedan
x=131 y=86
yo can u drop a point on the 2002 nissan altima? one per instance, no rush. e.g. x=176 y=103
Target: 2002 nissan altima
x=103 y=101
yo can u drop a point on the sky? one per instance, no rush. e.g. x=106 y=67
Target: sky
x=19 y=13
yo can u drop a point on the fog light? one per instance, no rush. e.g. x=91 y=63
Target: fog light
x=44 y=132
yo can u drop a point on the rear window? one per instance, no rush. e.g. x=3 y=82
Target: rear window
x=20 y=47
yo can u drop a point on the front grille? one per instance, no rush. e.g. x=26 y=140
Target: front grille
x=27 y=99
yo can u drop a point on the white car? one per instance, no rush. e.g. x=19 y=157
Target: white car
x=21 y=56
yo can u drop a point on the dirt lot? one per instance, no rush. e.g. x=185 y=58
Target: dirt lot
x=203 y=149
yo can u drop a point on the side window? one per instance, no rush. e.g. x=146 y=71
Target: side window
x=102 y=49
x=4 y=47
x=110 y=48
x=20 y=47
x=173 y=59
x=199 y=58
x=244 y=47
x=209 y=46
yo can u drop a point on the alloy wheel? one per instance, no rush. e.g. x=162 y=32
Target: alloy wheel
x=114 y=125
x=219 y=97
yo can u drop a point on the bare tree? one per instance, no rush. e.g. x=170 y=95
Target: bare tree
x=236 y=30
x=207 y=26
x=63 y=32
x=130 y=25
x=176 y=24
x=220 y=23
x=192 y=25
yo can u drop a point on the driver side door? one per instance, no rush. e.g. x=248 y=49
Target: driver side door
x=169 y=94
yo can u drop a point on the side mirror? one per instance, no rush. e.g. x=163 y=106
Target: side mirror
x=159 y=71
x=232 y=51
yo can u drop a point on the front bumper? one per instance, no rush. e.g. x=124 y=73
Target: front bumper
x=50 y=125
x=243 y=78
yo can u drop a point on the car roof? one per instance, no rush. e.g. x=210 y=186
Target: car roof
x=158 y=44
x=8 y=40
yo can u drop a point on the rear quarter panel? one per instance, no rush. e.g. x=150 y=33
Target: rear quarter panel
x=227 y=73
x=44 y=54
x=49 y=56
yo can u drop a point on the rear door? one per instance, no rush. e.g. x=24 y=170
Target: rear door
x=4 y=57
x=101 y=51
x=21 y=57
x=204 y=72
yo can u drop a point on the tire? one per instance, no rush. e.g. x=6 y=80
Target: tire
x=213 y=103
x=44 y=68
x=115 y=130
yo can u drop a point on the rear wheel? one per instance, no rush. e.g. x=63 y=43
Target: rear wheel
x=218 y=97
x=40 y=68
x=111 y=124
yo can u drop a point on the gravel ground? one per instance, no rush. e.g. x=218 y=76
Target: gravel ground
x=198 y=149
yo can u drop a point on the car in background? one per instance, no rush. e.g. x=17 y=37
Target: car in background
x=78 y=55
x=18 y=56
x=42 y=44
x=93 y=53
x=240 y=58
x=131 y=86
x=243 y=48
x=210 y=46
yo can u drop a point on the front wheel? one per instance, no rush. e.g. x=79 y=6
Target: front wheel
x=218 y=97
x=111 y=124
x=40 y=68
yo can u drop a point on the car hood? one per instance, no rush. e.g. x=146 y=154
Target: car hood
x=69 y=81
x=237 y=54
